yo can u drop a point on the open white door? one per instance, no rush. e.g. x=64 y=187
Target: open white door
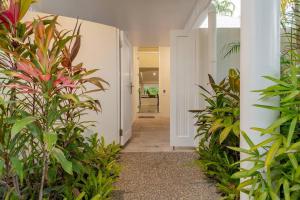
x=126 y=52
x=185 y=76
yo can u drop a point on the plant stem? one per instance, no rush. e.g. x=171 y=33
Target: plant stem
x=45 y=164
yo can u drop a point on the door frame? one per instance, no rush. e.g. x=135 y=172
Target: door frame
x=125 y=135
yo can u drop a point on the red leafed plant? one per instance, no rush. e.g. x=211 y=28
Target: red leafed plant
x=42 y=148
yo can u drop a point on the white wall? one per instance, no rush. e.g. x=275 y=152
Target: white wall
x=164 y=81
x=99 y=49
x=224 y=37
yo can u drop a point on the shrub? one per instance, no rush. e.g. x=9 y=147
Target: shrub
x=218 y=127
x=43 y=151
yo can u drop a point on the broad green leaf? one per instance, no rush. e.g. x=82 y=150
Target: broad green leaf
x=224 y=134
x=274 y=196
x=60 y=157
x=24 y=6
x=50 y=140
x=21 y=124
x=295 y=188
x=216 y=125
x=263 y=196
x=272 y=152
x=18 y=167
x=286 y=189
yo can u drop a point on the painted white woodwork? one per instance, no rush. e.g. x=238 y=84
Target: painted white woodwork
x=212 y=41
x=126 y=88
x=100 y=50
x=260 y=55
x=184 y=90
x=225 y=36
x=198 y=15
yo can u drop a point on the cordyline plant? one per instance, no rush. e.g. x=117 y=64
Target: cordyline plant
x=43 y=153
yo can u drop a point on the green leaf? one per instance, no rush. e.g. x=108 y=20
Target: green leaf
x=246 y=183
x=291 y=131
x=2 y=163
x=24 y=6
x=60 y=157
x=278 y=123
x=295 y=188
x=272 y=152
x=224 y=134
x=290 y=96
x=247 y=173
x=20 y=124
x=17 y=165
x=72 y=97
x=286 y=189
x=50 y=140
x=293 y=160
x=263 y=196
x=80 y=196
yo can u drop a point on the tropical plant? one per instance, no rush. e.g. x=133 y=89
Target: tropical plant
x=276 y=173
x=218 y=126
x=43 y=150
x=224 y=7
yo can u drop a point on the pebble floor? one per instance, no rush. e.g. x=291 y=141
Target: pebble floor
x=162 y=176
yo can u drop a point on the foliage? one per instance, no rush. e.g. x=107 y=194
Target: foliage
x=218 y=127
x=224 y=7
x=276 y=173
x=43 y=151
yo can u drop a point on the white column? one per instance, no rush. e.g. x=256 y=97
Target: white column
x=260 y=55
x=212 y=41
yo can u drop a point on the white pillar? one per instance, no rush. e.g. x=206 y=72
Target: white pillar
x=212 y=41
x=260 y=55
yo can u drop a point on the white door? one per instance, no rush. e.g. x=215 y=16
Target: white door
x=126 y=88
x=185 y=76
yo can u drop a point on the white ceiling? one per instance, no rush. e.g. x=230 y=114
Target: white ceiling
x=148 y=22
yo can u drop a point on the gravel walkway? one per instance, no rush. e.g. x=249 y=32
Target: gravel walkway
x=162 y=176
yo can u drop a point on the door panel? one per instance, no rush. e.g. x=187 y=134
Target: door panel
x=126 y=88
x=185 y=77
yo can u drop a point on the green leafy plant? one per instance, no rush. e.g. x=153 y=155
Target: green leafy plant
x=218 y=127
x=276 y=173
x=43 y=151
x=224 y=7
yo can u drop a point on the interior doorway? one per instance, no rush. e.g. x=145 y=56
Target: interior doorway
x=151 y=100
x=148 y=80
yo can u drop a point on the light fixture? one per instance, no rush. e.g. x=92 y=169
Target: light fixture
x=154 y=73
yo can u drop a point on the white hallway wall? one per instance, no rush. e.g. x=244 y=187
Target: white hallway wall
x=99 y=49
